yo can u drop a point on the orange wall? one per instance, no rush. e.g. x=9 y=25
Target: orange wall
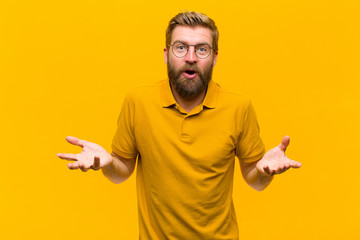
x=66 y=65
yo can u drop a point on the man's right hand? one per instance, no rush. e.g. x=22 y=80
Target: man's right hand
x=92 y=156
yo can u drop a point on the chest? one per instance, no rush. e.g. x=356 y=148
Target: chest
x=210 y=134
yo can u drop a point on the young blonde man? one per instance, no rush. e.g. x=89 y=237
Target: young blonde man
x=184 y=133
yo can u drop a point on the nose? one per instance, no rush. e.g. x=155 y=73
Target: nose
x=191 y=56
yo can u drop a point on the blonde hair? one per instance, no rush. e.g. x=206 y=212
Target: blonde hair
x=193 y=19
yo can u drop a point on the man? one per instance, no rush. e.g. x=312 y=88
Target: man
x=184 y=133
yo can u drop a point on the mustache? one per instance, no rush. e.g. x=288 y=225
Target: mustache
x=192 y=66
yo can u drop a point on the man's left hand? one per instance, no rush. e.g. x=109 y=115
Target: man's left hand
x=275 y=161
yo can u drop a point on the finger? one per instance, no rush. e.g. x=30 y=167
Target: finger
x=281 y=170
x=96 y=165
x=286 y=166
x=285 y=169
x=82 y=167
x=281 y=167
x=75 y=141
x=73 y=166
x=284 y=143
x=267 y=169
x=295 y=164
x=68 y=156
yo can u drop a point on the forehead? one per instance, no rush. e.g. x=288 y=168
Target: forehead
x=191 y=35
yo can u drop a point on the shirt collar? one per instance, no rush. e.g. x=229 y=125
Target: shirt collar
x=211 y=95
x=210 y=100
x=167 y=98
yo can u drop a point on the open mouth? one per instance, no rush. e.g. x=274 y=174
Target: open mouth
x=190 y=73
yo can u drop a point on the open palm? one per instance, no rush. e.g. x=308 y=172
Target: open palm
x=275 y=161
x=92 y=156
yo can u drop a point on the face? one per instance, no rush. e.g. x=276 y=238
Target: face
x=190 y=75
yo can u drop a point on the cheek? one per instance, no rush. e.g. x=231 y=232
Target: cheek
x=205 y=66
x=174 y=62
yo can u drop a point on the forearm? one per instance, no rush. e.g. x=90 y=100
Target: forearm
x=119 y=170
x=258 y=180
x=253 y=177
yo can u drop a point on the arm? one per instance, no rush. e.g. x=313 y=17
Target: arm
x=259 y=174
x=253 y=177
x=95 y=157
x=120 y=169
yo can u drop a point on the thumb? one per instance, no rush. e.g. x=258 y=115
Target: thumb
x=284 y=143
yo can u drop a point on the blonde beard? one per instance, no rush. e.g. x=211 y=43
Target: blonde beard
x=188 y=88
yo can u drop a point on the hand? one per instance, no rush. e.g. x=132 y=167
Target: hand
x=275 y=161
x=92 y=156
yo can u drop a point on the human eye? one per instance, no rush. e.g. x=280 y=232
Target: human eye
x=180 y=46
x=202 y=48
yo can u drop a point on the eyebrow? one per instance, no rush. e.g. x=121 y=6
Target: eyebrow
x=178 y=41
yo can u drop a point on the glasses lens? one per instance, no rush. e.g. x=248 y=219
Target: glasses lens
x=203 y=50
x=180 y=49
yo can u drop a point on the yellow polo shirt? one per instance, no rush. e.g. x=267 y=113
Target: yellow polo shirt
x=185 y=160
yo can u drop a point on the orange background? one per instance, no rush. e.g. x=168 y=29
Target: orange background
x=66 y=65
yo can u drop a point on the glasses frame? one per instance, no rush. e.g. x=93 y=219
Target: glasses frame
x=187 y=50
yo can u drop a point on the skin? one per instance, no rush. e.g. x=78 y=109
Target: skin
x=190 y=35
x=95 y=157
x=257 y=174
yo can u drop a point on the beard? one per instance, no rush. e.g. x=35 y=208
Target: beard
x=189 y=88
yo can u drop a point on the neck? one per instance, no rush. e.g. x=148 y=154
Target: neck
x=188 y=103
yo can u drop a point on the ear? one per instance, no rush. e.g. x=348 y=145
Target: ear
x=165 y=55
x=215 y=58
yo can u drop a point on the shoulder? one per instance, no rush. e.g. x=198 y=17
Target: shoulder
x=146 y=89
x=145 y=93
x=232 y=98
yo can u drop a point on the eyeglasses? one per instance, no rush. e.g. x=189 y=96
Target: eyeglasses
x=180 y=49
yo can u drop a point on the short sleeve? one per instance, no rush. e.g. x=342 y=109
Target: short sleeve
x=124 y=143
x=249 y=147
